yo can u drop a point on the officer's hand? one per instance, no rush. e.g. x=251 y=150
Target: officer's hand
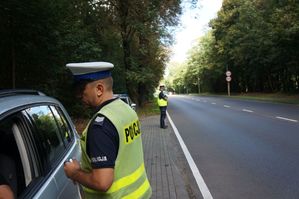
x=71 y=167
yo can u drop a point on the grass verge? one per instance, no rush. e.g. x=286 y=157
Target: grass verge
x=269 y=97
x=150 y=108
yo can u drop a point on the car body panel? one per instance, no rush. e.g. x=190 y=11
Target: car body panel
x=10 y=103
x=58 y=185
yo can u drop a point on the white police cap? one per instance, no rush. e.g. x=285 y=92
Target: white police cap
x=90 y=70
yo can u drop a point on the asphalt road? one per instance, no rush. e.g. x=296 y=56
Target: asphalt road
x=243 y=149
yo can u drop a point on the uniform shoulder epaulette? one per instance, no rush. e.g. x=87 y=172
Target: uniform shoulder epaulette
x=99 y=120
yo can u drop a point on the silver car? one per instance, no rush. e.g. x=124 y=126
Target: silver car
x=126 y=99
x=36 y=137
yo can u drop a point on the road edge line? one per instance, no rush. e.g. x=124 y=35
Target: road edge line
x=286 y=119
x=198 y=177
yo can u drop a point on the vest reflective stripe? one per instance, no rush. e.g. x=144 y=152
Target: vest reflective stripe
x=125 y=181
x=162 y=102
x=139 y=192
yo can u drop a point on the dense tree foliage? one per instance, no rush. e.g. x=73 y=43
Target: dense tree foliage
x=38 y=37
x=256 y=40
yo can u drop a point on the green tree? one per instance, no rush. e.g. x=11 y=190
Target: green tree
x=252 y=39
x=39 y=37
x=256 y=40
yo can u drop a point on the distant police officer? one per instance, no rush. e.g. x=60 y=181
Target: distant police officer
x=162 y=102
x=112 y=163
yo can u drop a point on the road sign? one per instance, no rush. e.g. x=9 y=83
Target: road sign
x=228 y=79
x=228 y=73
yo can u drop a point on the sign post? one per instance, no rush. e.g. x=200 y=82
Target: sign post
x=228 y=79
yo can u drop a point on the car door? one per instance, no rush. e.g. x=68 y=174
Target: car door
x=35 y=141
x=65 y=186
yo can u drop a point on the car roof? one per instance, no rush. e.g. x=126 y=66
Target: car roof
x=17 y=100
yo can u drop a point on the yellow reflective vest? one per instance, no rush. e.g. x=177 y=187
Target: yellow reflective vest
x=130 y=179
x=162 y=102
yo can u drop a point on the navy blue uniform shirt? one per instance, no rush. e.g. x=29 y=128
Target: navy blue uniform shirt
x=162 y=95
x=102 y=141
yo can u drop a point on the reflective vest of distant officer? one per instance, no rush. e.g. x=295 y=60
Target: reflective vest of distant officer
x=162 y=102
x=130 y=179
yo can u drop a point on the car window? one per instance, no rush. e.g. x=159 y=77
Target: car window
x=124 y=99
x=64 y=127
x=47 y=135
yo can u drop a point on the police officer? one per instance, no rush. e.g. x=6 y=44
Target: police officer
x=162 y=102
x=112 y=164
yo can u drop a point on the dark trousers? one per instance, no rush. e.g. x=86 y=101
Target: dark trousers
x=162 y=116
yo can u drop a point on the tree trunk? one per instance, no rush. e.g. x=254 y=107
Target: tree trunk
x=13 y=54
x=13 y=64
x=270 y=83
x=141 y=94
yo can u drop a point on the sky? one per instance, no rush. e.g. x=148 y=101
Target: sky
x=194 y=25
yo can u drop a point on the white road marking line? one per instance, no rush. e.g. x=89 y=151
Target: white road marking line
x=198 y=177
x=214 y=103
x=287 y=119
x=247 y=110
x=226 y=106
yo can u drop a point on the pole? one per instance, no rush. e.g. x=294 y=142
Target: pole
x=228 y=88
x=198 y=84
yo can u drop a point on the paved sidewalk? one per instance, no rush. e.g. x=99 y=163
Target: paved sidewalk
x=166 y=166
